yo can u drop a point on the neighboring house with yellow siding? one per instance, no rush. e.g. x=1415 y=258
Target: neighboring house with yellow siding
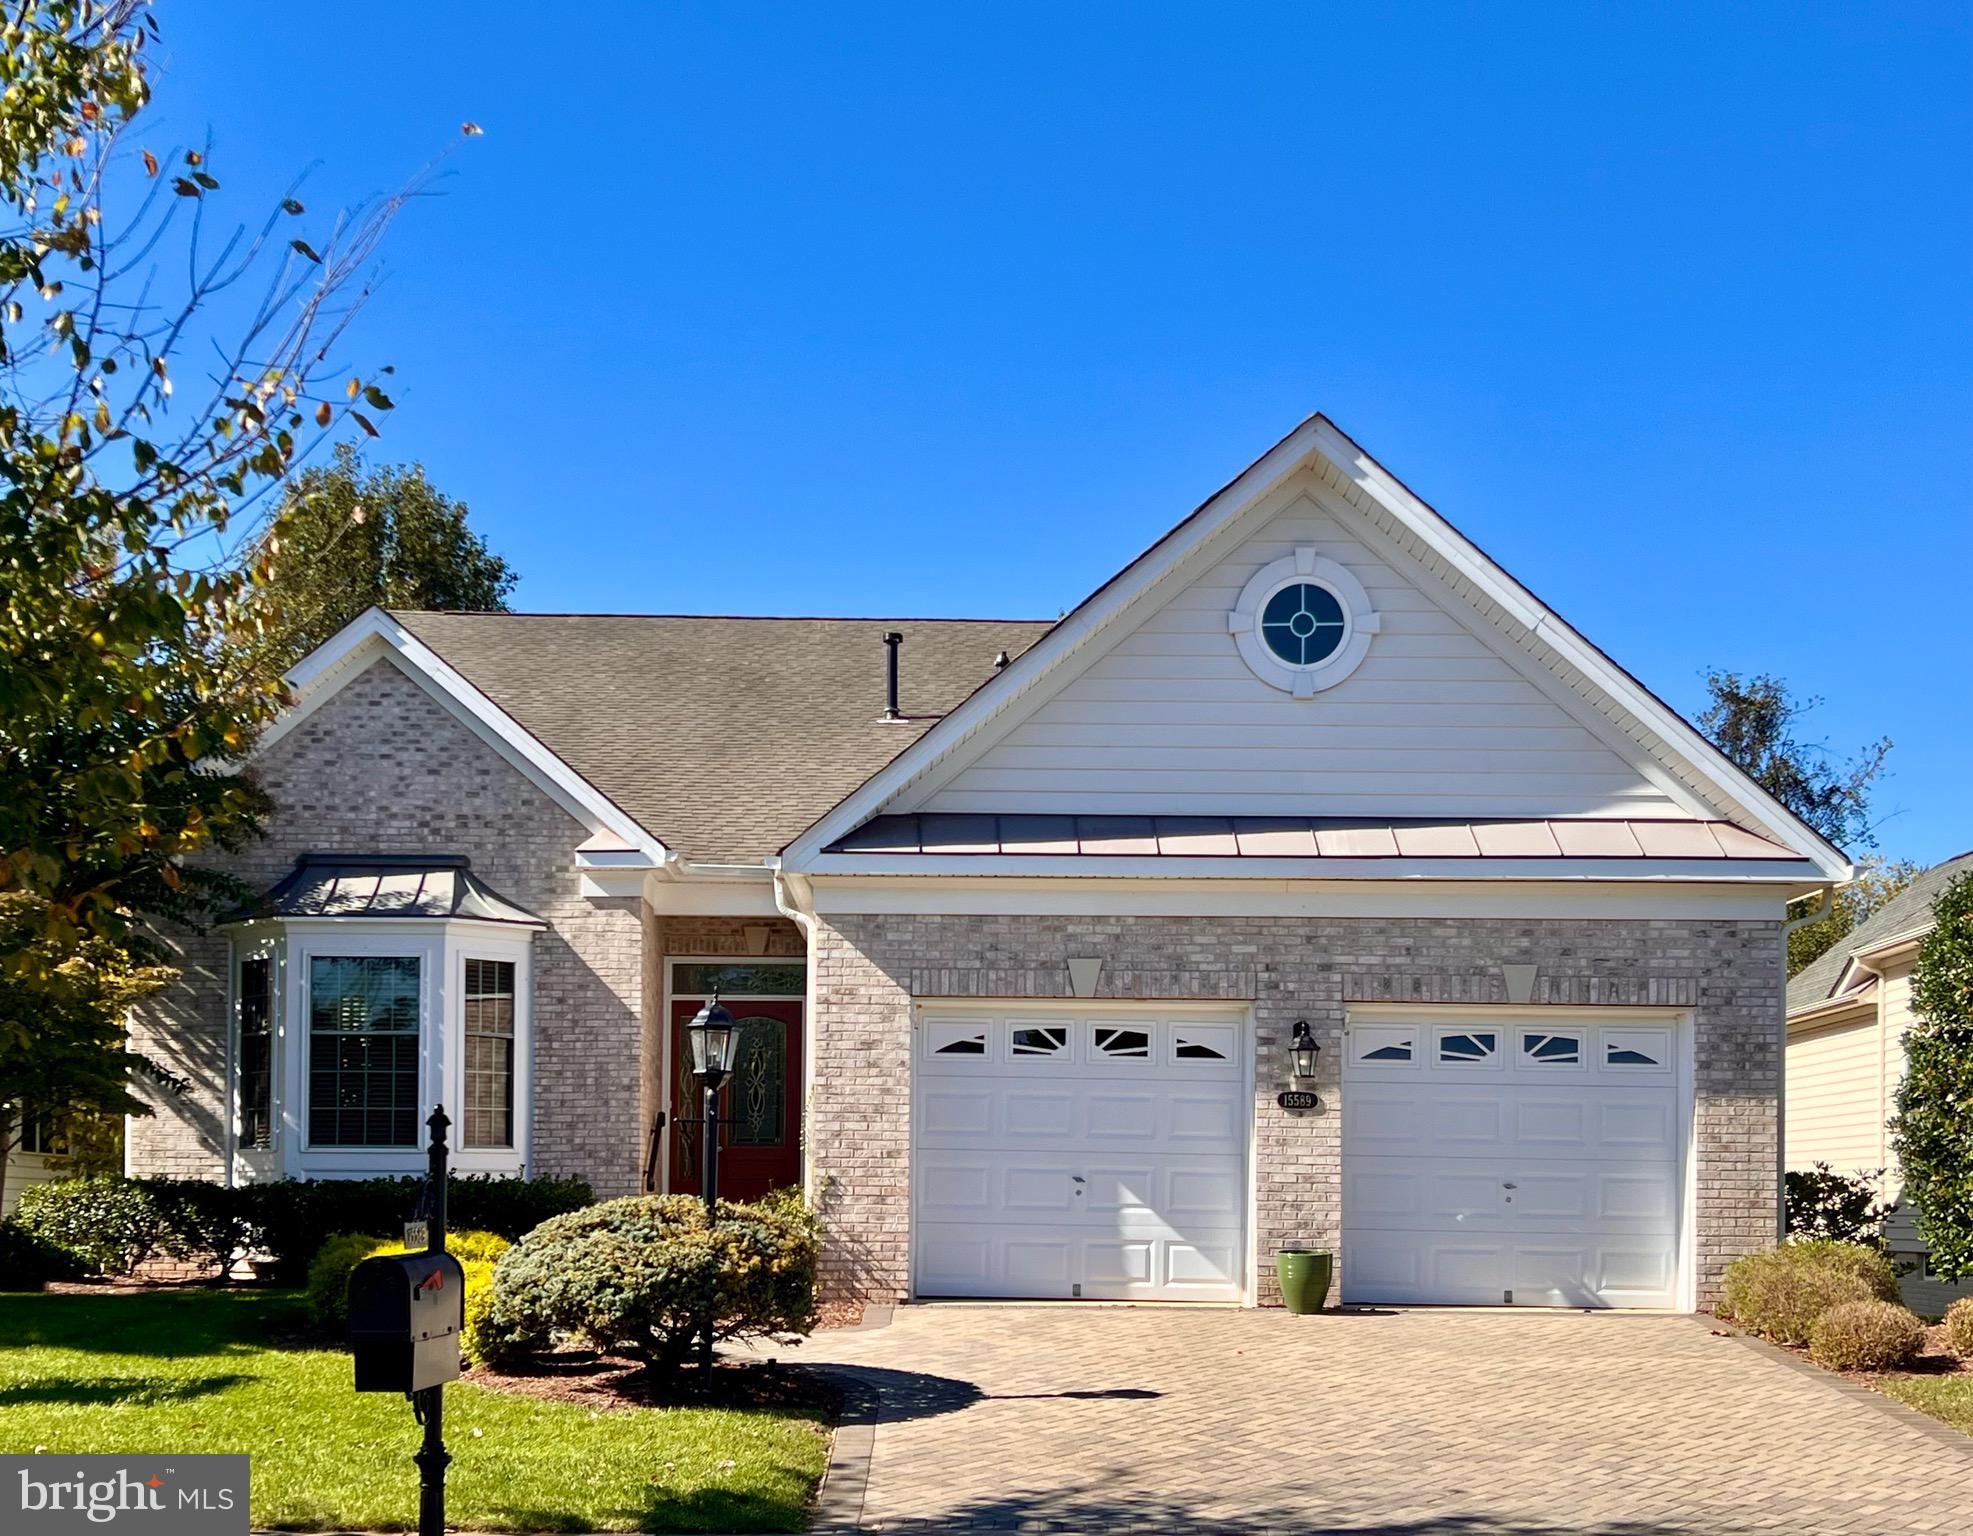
x=1847 y=1017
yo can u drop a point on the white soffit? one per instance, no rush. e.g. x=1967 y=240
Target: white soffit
x=1665 y=740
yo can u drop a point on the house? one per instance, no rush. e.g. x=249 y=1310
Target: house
x=1847 y=1016
x=36 y=1157
x=1021 y=947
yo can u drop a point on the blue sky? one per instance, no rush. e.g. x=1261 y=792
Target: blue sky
x=950 y=310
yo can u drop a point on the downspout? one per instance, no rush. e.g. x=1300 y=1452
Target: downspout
x=796 y=900
x=1883 y=1072
x=1822 y=909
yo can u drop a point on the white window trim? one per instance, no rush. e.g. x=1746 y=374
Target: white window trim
x=258 y=941
x=441 y=949
x=1304 y=566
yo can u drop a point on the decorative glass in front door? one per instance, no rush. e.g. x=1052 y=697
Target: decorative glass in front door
x=756 y=1098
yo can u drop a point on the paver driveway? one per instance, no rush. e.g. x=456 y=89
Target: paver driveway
x=1485 y=1423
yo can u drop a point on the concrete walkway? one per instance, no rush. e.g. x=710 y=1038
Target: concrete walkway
x=1173 y=1420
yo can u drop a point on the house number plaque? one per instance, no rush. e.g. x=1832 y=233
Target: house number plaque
x=1297 y=1098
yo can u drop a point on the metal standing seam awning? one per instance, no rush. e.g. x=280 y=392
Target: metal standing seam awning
x=1308 y=837
x=435 y=887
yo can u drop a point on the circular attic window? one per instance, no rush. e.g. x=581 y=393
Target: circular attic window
x=1303 y=623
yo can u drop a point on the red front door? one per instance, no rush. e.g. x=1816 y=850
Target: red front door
x=759 y=1107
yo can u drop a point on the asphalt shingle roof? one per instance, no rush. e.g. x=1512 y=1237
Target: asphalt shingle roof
x=723 y=737
x=1910 y=908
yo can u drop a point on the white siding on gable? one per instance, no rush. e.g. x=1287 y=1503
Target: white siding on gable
x=1434 y=722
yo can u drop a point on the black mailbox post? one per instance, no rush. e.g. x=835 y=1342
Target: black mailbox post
x=405 y=1312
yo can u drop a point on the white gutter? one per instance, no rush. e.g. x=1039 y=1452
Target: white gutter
x=796 y=899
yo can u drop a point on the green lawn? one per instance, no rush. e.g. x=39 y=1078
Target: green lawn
x=1948 y=1399
x=198 y=1372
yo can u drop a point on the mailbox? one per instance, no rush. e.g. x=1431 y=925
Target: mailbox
x=405 y=1310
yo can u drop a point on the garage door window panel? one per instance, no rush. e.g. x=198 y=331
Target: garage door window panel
x=1203 y=1042
x=1648 y=1049
x=1551 y=1051
x=1116 y=1042
x=956 y=1037
x=1469 y=1048
x=1375 y=1047
x=1039 y=1040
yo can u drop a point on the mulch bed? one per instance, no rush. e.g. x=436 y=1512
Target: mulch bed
x=609 y=1384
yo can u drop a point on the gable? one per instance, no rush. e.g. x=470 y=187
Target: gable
x=1458 y=697
x=1437 y=720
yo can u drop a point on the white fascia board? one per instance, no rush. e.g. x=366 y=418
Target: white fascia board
x=1088 y=619
x=1830 y=1009
x=1456 y=550
x=1298 y=898
x=712 y=898
x=1799 y=876
x=374 y=634
x=1869 y=959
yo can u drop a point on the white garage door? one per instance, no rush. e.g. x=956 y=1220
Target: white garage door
x=1072 y=1152
x=1527 y=1161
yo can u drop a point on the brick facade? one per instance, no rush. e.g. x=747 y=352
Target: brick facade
x=383 y=768
x=870 y=968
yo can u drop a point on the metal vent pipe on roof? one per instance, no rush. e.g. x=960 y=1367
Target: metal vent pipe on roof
x=891 y=643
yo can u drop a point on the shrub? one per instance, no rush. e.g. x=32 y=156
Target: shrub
x=293 y=1218
x=1931 y=1132
x=204 y=1222
x=108 y=1225
x=28 y=1262
x=1781 y=1292
x=113 y=1224
x=1824 y=1203
x=644 y=1276
x=1959 y=1327
x=477 y=1253
x=1866 y=1336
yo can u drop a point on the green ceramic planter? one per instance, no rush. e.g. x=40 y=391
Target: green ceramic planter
x=1304 y=1274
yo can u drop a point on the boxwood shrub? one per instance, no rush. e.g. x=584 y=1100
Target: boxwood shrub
x=111 y=1225
x=107 y=1225
x=643 y=1276
x=1780 y=1292
x=1959 y=1327
x=295 y=1217
x=1866 y=1336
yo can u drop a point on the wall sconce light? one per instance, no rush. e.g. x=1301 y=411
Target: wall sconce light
x=1305 y=1049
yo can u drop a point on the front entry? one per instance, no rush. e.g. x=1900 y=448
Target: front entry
x=760 y=1105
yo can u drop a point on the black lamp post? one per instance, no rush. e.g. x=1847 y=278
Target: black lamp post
x=713 y=1038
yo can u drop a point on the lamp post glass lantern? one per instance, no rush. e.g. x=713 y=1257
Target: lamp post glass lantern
x=713 y=1037
x=1304 y=1049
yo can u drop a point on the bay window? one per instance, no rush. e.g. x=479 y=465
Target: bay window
x=366 y=989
